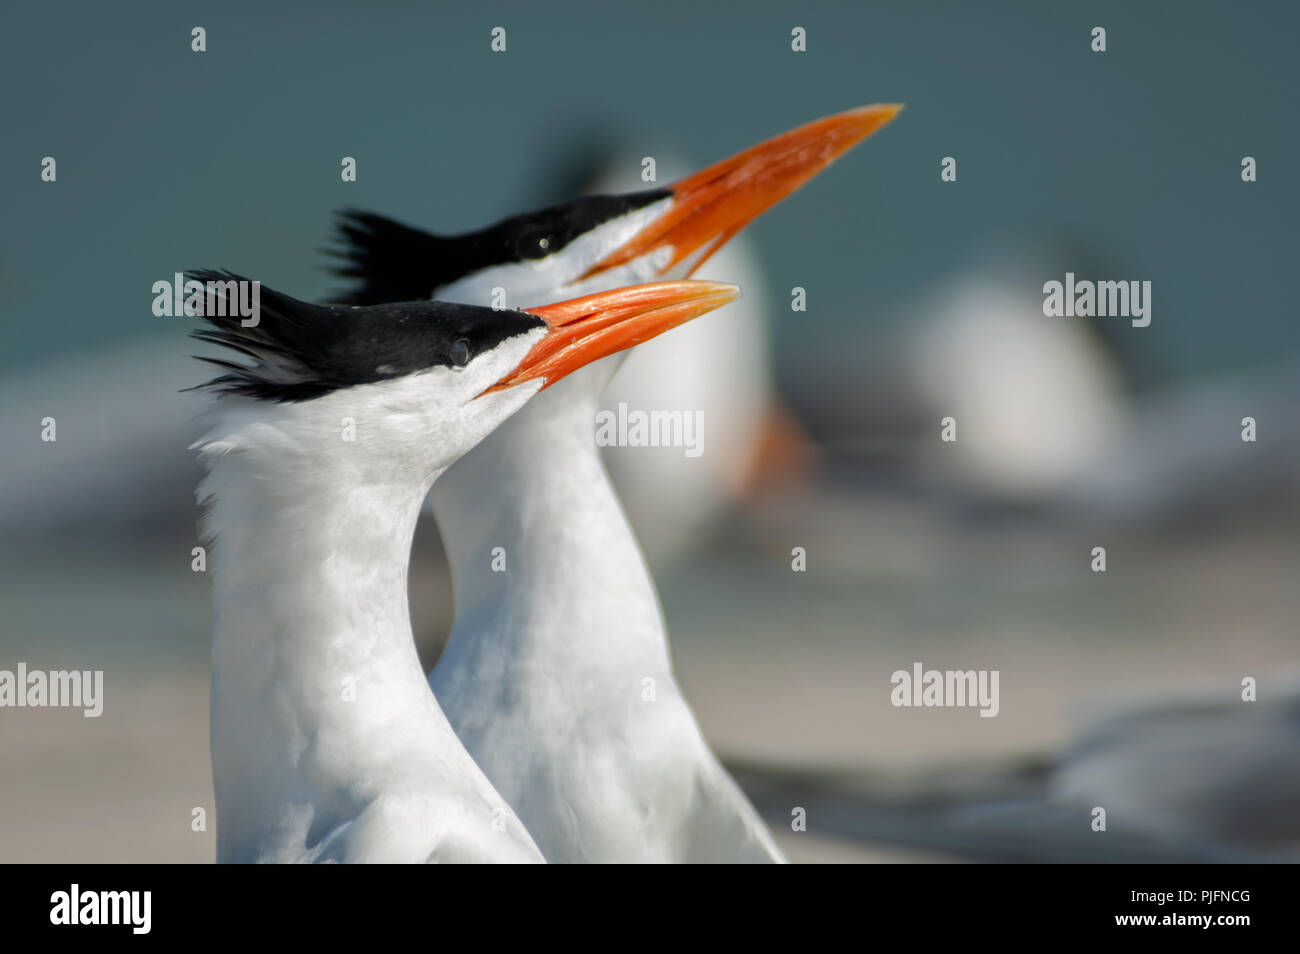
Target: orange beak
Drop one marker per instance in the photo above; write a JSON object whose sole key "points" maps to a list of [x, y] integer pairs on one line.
{"points": [[716, 203], [587, 329]]}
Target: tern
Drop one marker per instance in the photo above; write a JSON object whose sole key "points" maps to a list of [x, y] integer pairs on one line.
{"points": [[557, 675], [1190, 777], [327, 743]]}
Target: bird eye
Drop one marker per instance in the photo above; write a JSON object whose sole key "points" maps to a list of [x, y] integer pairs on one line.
{"points": [[533, 243], [460, 352]]}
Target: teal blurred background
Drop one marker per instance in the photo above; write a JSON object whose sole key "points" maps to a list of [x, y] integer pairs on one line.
{"points": [[923, 300], [169, 158]]}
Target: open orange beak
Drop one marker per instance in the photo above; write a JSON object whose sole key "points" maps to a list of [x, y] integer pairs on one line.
{"points": [[592, 327], [716, 203]]}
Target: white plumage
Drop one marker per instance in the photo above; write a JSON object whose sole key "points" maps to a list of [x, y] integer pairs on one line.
{"points": [[550, 664], [326, 743]]}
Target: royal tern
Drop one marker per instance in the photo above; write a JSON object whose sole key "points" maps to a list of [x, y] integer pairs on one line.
{"points": [[327, 743], [1196, 776], [557, 675]]}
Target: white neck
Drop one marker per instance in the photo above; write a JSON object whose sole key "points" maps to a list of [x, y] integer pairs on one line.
{"points": [[576, 591], [326, 740], [310, 598]]}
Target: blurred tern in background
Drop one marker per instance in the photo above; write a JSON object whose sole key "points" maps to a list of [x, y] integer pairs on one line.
{"points": [[717, 369], [327, 743], [1197, 776], [557, 676]]}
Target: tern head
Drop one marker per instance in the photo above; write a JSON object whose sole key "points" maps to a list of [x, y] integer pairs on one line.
{"points": [[597, 242], [415, 384]]}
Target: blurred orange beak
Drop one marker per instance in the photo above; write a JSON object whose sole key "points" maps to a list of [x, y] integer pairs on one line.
{"points": [[587, 329], [714, 204]]}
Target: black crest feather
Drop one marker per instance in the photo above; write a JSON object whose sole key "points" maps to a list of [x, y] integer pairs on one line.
{"points": [[396, 262], [391, 261], [297, 351]]}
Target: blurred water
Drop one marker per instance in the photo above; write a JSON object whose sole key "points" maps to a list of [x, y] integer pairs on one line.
{"points": [[171, 159]]}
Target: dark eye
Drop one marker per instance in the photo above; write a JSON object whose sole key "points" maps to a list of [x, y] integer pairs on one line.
{"points": [[534, 243], [460, 352]]}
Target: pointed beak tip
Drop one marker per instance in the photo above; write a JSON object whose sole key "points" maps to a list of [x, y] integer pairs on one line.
{"points": [[873, 117], [891, 110], [702, 295], [727, 291]]}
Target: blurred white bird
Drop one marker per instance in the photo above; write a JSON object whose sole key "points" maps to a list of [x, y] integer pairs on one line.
{"points": [[1197, 777]]}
